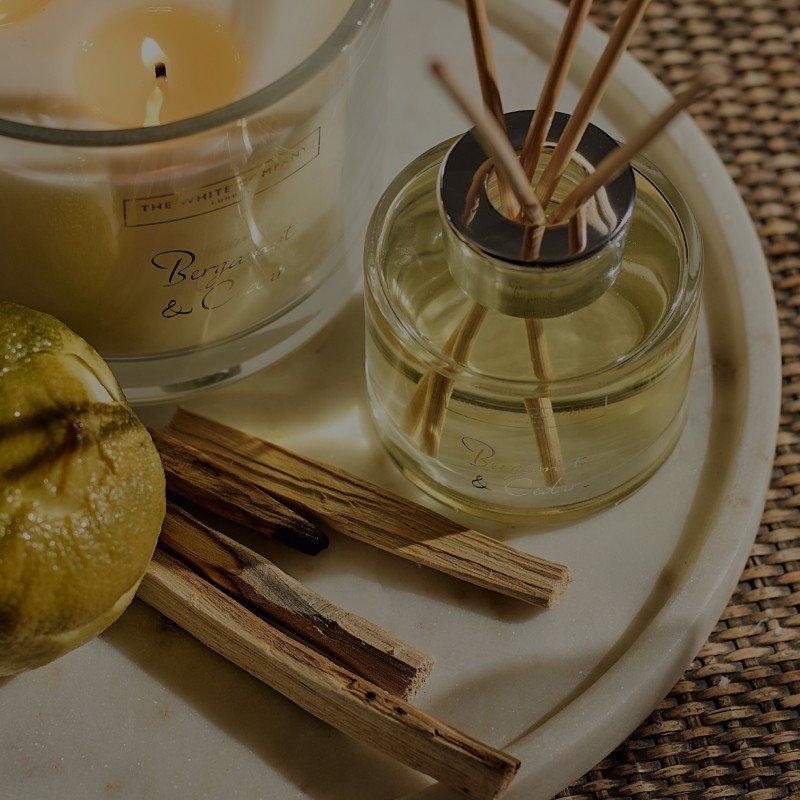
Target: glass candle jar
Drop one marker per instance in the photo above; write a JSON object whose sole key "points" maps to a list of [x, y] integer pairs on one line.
{"points": [[193, 252], [514, 386]]}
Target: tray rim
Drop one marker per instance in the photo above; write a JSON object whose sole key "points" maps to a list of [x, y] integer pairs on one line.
{"points": [[552, 755]]}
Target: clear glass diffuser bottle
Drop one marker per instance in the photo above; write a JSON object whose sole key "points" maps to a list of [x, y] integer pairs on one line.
{"points": [[515, 376]]}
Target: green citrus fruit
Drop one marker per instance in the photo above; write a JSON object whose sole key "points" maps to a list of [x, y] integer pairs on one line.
{"points": [[81, 492]]}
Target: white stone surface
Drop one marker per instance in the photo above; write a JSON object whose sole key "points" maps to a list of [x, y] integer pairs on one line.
{"points": [[147, 713]]}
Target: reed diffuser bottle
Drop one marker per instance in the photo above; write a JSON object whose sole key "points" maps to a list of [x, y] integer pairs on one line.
{"points": [[529, 349], [522, 385]]}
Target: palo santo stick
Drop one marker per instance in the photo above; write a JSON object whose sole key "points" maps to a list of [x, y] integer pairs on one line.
{"points": [[554, 82], [490, 89], [193, 475], [590, 98], [352, 641], [348, 505], [332, 693], [495, 143], [706, 79]]}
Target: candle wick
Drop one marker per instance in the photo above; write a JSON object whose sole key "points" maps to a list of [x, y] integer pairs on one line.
{"points": [[161, 70]]}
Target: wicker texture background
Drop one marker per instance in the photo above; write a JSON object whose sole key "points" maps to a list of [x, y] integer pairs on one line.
{"points": [[731, 727]]}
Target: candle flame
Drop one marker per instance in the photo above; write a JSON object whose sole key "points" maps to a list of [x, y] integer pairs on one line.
{"points": [[151, 52]]}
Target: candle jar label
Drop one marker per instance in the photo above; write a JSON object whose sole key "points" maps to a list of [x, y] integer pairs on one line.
{"points": [[139, 212], [216, 256]]}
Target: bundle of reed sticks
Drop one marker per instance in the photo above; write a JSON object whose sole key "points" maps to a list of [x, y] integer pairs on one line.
{"points": [[520, 201]]}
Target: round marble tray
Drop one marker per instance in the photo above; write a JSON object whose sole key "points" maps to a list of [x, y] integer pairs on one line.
{"points": [[147, 712]]}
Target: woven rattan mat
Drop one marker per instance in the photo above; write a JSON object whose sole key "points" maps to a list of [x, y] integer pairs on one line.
{"points": [[731, 727]]}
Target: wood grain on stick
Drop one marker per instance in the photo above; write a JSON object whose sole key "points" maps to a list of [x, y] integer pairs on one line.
{"points": [[332, 693], [345, 504], [351, 640], [200, 477]]}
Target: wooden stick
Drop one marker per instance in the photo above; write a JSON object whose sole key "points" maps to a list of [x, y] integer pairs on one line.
{"points": [[471, 202], [590, 98], [441, 387], [350, 640], [540, 409], [416, 405], [200, 477], [348, 505], [332, 693], [578, 229], [554, 82], [495, 143], [490, 88], [707, 78]]}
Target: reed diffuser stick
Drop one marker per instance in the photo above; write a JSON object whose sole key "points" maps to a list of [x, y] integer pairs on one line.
{"points": [[590, 98], [416, 405], [331, 693], [345, 504], [431, 396], [706, 79], [540, 409], [201, 478], [554, 82], [440, 388], [578, 229], [497, 145], [490, 87], [344, 637]]}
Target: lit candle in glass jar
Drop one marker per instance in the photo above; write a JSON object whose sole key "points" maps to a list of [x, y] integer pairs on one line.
{"points": [[115, 71], [188, 247]]}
